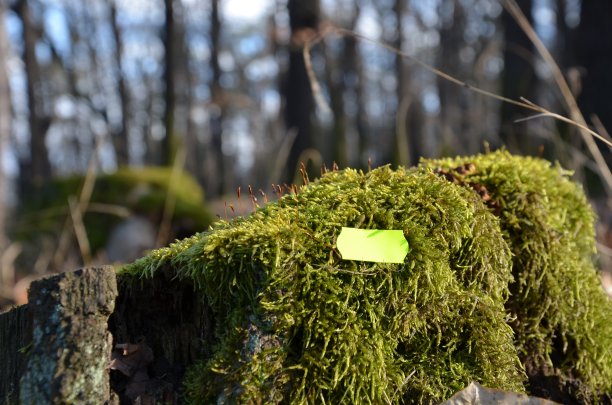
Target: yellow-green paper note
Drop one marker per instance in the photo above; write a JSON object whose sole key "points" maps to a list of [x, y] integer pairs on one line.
{"points": [[372, 245]]}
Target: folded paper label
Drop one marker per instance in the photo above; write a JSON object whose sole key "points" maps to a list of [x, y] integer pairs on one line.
{"points": [[372, 245]]}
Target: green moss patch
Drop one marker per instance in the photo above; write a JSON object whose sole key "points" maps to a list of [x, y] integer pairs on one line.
{"points": [[560, 313], [142, 191], [295, 322]]}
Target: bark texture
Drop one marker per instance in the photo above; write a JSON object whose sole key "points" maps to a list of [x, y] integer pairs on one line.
{"points": [[15, 339], [71, 345]]}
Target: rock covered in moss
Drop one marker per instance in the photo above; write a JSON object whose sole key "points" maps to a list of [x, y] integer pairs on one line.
{"points": [[560, 313], [295, 322]]}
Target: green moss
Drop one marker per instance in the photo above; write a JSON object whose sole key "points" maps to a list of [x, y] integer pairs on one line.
{"points": [[295, 322], [142, 191], [561, 315], [492, 276]]}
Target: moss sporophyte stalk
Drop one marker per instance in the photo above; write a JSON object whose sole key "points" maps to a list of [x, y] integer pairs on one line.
{"points": [[499, 271]]}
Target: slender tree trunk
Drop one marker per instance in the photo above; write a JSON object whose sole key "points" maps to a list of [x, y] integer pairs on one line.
{"points": [[334, 76], [593, 39], [594, 36], [452, 111], [518, 78], [216, 113], [352, 66], [5, 124], [403, 143], [152, 153], [299, 102], [169, 141], [120, 139], [38, 169]]}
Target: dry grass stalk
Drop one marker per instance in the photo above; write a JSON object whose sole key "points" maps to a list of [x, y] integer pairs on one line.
{"points": [[166, 222], [577, 119]]}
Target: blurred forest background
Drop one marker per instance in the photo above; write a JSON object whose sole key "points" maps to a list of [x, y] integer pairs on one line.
{"points": [[126, 124]]}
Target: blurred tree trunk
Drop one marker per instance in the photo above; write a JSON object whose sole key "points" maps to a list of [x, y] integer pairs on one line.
{"points": [[400, 144], [175, 62], [594, 36], [335, 78], [299, 102], [152, 153], [353, 71], [38, 169], [120, 139], [518, 78], [5, 123], [216, 179], [453, 112]]}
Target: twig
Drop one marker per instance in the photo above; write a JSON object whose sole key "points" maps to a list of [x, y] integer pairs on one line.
{"points": [[79, 230], [604, 249], [430, 68], [7, 262], [282, 156], [110, 209], [83, 202], [166, 222], [312, 77], [599, 126]]}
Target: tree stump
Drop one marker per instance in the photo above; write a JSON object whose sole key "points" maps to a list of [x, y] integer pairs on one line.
{"points": [[63, 333], [57, 348]]}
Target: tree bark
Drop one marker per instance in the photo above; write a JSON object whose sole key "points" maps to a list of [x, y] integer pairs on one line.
{"points": [[71, 345], [334, 76], [15, 340], [452, 97]]}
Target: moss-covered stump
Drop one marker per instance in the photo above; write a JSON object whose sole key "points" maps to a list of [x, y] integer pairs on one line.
{"points": [[293, 321], [560, 314], [499, 271]]}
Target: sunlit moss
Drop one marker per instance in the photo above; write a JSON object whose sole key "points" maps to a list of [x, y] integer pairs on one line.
{"points": [[295, 322], [561, 315]]}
